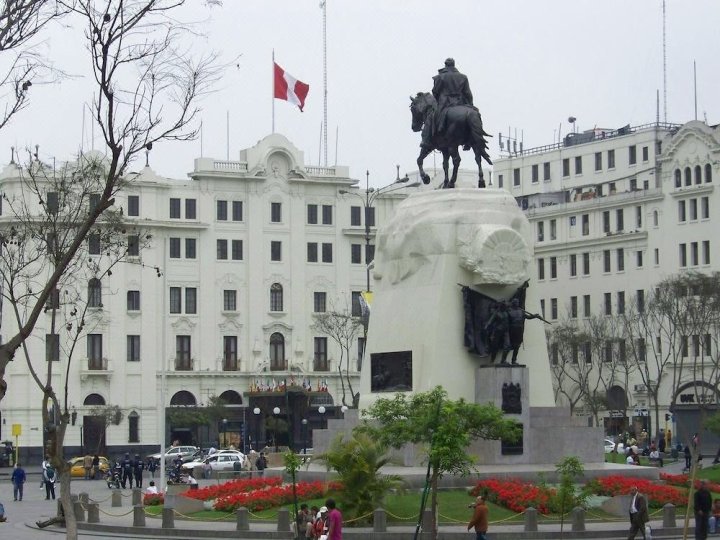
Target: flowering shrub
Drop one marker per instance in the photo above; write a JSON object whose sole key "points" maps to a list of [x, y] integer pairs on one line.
{"points": [[657, 494], [683, 480], [232, 487], [515, 495], [154, 500], [269, 497]]}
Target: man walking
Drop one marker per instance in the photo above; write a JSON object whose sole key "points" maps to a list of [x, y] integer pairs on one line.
{"points": [[138, 467], [18, 480], [334, 520], [702, 507], [126, 466], [261, 464], [87, 466], [638, 513], [479, 519]]}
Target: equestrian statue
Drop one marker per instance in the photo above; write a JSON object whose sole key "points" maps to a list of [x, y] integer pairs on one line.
{"points": [[448, 119]]}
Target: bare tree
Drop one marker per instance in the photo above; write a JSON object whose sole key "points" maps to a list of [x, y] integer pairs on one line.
{"points": [[569, 375]]}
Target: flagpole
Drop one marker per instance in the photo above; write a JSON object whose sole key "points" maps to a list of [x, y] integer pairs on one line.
{"points": [[227, 135], [273, 91], [323, 4]]}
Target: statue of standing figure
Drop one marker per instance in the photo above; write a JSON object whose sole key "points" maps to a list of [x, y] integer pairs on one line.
{"points": [[450, 88]]}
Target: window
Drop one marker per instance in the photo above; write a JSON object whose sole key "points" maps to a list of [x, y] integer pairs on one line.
{"points": [[639, 259], [540, 231], [237, 211], [656, 218], [688, 176], [694, 260], [174, 248], [175, 299], [277, 352], [312, 252], [53, 301], [276, 250], [133, 245], [706, 251], [693, 209], [611, 159], [133, 427], [573, 265], [681, 211], [183, 361], [191, 300], [500, 180], [319, 302], [320, 358], [638, 217], [327, 213], [51, 240], [542, 306], [608, 351], [516, 177], [276, 297], [573, 307], [222, 249], [683, 255], [553, 229], [619, 218], [645, 153], [707, 345], [94, 351], [606, 221], [608, 303], [578, 165], [230, 353], [94, 293], [133, 300], [585, 219], [657, 256], [370, 216], [698, 174], [546, 171], [312, 214], [553, 309], [566, 167], [586, 263], [640, 300], [93, 201], [606, 260], [369, 253], [620, 260], [327, 252], [535, 173], [190, 248], [229, 300], [598, 161], [705, 208], [678, 178], [355, 253], [632, 155], [53, 202], [355, 216], [174, 208], [360, 352], [553, 267], [94, 244], [190, 209], [708, 173], [621, 302], [52, 347], [133, 209], [541, 268], [133, 348], [586, 305], [633, 184], [236, 250], [356, 308], [222, 211], [276, 212]]}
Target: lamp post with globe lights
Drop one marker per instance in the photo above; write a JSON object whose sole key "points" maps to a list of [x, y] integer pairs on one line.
{"points": [[304, 423], [276, 411], [256, 412], [321, 411]]}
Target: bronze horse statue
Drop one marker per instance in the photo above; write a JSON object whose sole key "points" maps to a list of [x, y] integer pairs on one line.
{"points": [[463, 128]]}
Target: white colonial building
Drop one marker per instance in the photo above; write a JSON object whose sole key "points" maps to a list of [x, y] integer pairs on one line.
{"points": [[615, 212], [222, 302]]}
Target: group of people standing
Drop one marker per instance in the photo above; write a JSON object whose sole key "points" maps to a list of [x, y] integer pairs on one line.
{"points": [[324, 523]]}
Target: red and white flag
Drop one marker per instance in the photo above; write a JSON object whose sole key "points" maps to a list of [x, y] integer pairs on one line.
{"points": [[288, 88]]}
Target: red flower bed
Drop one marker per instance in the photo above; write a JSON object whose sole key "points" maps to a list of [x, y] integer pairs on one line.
{"points": [[514, 494], [683, 480], [154, 500], [658, 495], [232, 487], [269, 497]]}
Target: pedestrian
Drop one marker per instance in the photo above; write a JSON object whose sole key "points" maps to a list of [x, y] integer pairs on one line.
{"points": [[126, 465], [479, 519], [151, 489], [668, 438], [87, 465], [2, 513], [334, 520], [207, 469], [688, 457], [320, 526], [638, 513], [310, 530], [302, 519], [43, 466], [18, 480], [261, 464], [49, 481], [152, 466], [95, 467], [714, 521], [191, 480], [702, 506], [138, 467]]}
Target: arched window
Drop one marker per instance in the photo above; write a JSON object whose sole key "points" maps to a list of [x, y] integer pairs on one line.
{"points": [[276, 297], [708, 173], [94, 293], [688, 176], [678, 178], [133, 427], [183, 397], [94, 399], [656, 218], [231, 397], [277, 352], [698, 174]]}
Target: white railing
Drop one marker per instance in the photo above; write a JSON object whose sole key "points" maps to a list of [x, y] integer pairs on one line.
{"points": [[234, 166]]}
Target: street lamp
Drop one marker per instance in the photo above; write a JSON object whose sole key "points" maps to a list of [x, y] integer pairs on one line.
{"points": [[224, 425], [304, 434], [371, 195], [276, 411], [321, 410], [344, 409], [256, 412]]}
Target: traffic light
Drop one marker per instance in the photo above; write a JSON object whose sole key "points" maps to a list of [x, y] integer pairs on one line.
{"points": [[667, 417]]}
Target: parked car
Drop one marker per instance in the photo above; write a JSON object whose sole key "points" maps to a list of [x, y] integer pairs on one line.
{"points": [[610, 446], [221, 461], [185, 452], [77, 469]]}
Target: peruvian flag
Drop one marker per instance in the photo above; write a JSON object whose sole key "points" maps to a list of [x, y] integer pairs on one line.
{"points": [[288, 88]]}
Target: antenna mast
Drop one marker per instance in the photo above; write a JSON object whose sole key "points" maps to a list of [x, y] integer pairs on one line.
{"points": [[323, 6], [664, 65]]}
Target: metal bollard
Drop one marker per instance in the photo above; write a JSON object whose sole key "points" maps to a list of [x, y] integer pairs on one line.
{"points": [[531, 520], [243, 519], [578, 519], [168, 518], [379, 520], [79, 511], [84, 498], [138, 516], [669, 516], [283, 520], [137, 496], [93, 513], [116, 499]]}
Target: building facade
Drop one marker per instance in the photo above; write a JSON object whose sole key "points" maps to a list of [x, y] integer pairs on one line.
{"points": [[222, 302]]}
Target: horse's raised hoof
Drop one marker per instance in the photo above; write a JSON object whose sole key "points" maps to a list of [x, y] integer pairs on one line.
{"points": [[425, 178]]}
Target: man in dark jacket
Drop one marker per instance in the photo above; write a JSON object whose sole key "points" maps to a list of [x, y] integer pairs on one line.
{"points": [[702, 507], [450, 88], [479, 519], [638, 513], [126, 466], [138, 467]]}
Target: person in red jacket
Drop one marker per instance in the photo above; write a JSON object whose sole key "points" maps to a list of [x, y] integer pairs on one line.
{"points": [[479, 519]]}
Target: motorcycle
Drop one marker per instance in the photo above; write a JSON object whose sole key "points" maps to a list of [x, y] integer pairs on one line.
{"points": [[175, 476], [112, 477]]}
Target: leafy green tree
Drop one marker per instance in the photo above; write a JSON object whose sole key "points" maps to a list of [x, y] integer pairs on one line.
{"points": [[445, 427], [566, 498], [358, 462]]}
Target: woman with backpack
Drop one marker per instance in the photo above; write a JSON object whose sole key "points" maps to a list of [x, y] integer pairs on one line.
{"points": [[49, 480]]}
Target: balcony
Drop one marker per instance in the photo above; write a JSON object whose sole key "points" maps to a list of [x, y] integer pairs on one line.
{"points": [[184, 363], [231, 363], [97, 364], [96, 367], [278, 365]]}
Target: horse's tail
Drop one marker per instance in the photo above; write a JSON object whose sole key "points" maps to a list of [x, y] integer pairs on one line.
{"points": [[478, 134]]}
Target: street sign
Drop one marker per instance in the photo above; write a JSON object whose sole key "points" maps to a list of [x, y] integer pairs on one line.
{"points": [[16, 430]]}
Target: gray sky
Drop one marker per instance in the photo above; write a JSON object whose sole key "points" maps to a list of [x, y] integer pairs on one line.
{"points": [[531, 65]]}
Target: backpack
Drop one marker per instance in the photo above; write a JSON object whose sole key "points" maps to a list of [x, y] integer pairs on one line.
{"points": [[50, 472]]}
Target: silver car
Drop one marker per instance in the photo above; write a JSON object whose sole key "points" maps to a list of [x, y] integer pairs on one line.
{"points": [[185, 452], [224, 461]]}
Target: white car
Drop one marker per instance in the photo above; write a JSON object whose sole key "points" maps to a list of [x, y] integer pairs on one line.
{"points": [[220, 461], [610, 446], [185, 452]]}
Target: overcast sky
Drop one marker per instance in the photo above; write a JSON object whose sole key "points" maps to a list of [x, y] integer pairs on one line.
{"points": [[531, 65]]}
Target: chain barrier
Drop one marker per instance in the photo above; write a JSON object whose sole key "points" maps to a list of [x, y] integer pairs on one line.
{"points": [[102, 500], [191, 518], [402, 518], [273, 516], [116, 515], [358, 518], [507, 518]]}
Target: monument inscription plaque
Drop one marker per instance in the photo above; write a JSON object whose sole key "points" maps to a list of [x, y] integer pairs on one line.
{"points": [[391, 371]]}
